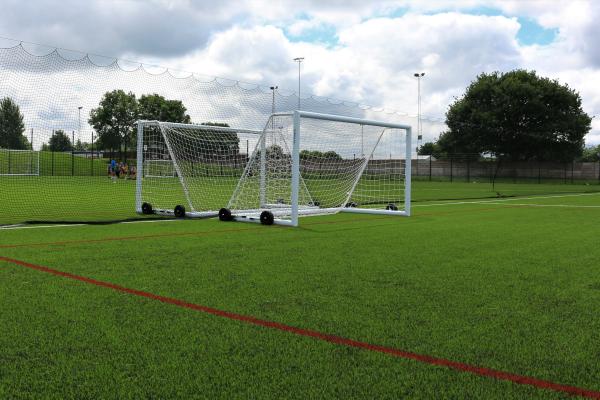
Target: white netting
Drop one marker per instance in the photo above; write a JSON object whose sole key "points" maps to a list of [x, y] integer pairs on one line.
{"points": [[19, 162], [341, 164], [196, 166], [57, 91]]}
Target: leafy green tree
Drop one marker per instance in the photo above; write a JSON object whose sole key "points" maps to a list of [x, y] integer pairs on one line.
{"points": [[316, 154], [114, 120], [590, 154], [428, 149], [518, 116], [332, 155], [275, 151], [81, 146], [60, 141], [306, 154], [156, 107], [221, 143], [12, 126]]}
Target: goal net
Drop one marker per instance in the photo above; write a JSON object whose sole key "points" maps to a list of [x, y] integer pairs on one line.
{"points": [[19, 162], [159, 168], [189, 169], [308, 164]]}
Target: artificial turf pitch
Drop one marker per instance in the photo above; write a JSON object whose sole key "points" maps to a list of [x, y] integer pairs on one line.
{"points": [[497, 284]]}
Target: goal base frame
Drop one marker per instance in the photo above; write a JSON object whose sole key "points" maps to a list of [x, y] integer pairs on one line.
{"points": [[253, 216], [188, 214]]}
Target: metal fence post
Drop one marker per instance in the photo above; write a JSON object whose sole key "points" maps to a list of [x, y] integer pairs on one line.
{"points": [[73, 155], [468, 170], [430, 168]]}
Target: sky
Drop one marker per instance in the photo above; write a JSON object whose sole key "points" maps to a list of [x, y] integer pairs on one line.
{"points": [[355, 50]]}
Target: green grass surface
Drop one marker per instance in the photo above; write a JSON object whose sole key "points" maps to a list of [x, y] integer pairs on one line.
{"points": [[511, 284], [98, 198], [51, 163]]}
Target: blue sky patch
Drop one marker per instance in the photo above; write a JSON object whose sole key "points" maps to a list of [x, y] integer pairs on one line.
{"points": [[533, 33], [322, 33], [530, 33]]}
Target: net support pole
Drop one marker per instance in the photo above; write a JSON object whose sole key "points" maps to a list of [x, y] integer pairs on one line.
{"points": [[263, 170], [408, 172], [295, 168], [139, 168]]}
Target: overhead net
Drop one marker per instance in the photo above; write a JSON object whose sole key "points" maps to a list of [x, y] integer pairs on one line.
{"points": [[56, 91]]}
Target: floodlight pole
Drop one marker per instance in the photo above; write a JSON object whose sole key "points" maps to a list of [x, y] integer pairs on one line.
{"points": [[273, 89], [79, 123], [299, 61], [419, 75]]}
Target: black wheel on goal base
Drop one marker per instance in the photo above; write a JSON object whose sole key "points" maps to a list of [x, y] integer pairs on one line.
{"points": [[351, 204], [147, 209], [391, 207], [225, 214], [267, 218], [179, 211]]}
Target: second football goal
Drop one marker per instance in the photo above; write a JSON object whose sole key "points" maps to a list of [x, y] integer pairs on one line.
{"points": [[189, 170], [312, 164]]}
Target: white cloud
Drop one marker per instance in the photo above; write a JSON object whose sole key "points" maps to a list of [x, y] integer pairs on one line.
{"points": [[372, 62]]}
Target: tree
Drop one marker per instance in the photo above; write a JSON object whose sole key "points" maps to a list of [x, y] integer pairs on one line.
{"points": [[316, 154], [332, 155], [275, 151], [428, 149], [60, 141], [81, 146], [12, 126], [222, 143], [114, 120], [156, 107], [518, 116], [590, 154]]}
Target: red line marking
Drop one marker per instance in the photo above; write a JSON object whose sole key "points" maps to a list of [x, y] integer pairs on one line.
{"points": [[120, 238], [442, 362]]}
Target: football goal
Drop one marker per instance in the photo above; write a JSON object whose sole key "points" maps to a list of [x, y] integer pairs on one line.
{"points": [[189, 170], [19, 162], [308, 163]]}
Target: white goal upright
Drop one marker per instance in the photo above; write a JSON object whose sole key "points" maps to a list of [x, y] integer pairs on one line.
{"points": [[307, 163], [189, 170], [19, 162]]}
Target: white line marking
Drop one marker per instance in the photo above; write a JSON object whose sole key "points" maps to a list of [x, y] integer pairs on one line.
{"points": [[13, 227], [503, 200], [547, 205]]}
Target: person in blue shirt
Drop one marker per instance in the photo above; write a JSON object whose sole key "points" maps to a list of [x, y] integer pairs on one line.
{"points": [[113, 170]]}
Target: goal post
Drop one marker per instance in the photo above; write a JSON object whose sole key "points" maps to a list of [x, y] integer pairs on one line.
{"points": [[308, 163], [188, 169], [19, 162]]}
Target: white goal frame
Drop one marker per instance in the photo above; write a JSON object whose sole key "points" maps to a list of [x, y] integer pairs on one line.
{"points": [[252, 215], [190, 212], [34, 153]]}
